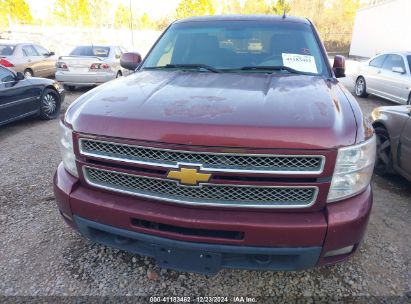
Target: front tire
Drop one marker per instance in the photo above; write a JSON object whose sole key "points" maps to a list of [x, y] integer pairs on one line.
{"points": [[360, 87], [69, 87], [119, 74], [50, 104], [383, 162]]}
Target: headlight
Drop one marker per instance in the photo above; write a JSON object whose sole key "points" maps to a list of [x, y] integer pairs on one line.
{"points": [[353, 170], [66, 149]]}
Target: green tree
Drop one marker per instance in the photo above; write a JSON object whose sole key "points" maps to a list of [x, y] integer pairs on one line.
{"points": [[281, 7], [230, 6], [256, 7], [161, 23], [333, 19], [122, 17], [84, 13], [16, 10], [144, 22], [100, 12], [62, 11], [4, 18], [73, 12], [187, 8]]}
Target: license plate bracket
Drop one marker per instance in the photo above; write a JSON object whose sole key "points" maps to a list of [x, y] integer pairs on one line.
{"points": [[188, 260]]}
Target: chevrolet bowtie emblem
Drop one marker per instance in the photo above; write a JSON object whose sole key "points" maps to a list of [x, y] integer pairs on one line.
{"points": [[188, 176]]}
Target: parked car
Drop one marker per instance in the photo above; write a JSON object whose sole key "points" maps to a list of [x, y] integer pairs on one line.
{"points": [[21, 96], [393, 129], [387, 76], [28, 58], [220, 155], [90, 65], [5, 34]]}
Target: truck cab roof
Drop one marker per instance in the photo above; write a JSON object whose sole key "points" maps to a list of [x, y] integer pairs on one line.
{"points": [[265, 18]]}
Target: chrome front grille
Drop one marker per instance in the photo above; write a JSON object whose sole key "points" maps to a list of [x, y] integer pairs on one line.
{"points": [[205, 194], [210, 161]]}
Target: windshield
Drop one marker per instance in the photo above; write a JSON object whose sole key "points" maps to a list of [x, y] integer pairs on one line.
{"points": [[6, 49], [235, 45], [99, 51]]}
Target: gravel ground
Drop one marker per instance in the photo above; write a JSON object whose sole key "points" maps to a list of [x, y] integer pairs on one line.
{"points": [[40, 255]]}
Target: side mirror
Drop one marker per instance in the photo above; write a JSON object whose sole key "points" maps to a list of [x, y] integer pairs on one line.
{"points": [[50, 54], [19, 76], [130, 61], [398, 70], [339, 66]]}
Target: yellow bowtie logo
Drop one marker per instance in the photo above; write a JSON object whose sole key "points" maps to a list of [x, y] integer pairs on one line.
{"points": [[188, 176]]}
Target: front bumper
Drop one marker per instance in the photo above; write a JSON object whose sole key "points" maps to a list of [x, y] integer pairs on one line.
{"points": [[198, 257], [91, 78], [270, 240]]}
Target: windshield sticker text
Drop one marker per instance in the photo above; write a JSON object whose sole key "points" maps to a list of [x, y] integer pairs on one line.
{"points": [[303, 63]]}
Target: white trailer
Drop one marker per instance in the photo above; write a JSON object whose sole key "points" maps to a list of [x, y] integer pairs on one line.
{"points": [[382, 27]]}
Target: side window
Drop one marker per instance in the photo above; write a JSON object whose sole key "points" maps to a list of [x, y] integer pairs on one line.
{"points": [[393, 61], [41, 50], [409, 61], [378, 61], [28, 50], [117, 52], [6, 75], [6, 49]]}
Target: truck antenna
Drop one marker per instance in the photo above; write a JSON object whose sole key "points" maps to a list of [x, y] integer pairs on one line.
{"points": [[131, 25]]}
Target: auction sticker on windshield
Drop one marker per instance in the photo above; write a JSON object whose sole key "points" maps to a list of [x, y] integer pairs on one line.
{"points": [[303, 63]]}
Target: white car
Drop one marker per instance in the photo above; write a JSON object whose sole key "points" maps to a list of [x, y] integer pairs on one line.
{"points": [[89, 65], [386, 75]]}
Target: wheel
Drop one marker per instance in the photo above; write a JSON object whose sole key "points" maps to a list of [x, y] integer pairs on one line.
{"points": [[28, 73], [119, 74], [69, 87], [50, 104], [383, 162], [361, 87]]}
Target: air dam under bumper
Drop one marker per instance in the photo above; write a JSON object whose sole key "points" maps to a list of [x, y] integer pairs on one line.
{"points": [[199, 257], [270, 241]]}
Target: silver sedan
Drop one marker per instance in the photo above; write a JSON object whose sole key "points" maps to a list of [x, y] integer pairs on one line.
{"points": [[89, 65], [387, 76]]}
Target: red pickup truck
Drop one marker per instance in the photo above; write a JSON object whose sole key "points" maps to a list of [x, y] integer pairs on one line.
{"points": [[232, 145]]}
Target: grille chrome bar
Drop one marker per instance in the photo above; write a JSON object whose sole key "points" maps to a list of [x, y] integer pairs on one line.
{"points": [[209, 161], [204, 195]]}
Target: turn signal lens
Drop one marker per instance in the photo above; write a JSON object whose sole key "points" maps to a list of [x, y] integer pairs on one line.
{"points": [[66, 149]]}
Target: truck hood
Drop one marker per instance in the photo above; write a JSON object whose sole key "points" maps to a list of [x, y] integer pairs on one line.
{"points": [[255, 110]]}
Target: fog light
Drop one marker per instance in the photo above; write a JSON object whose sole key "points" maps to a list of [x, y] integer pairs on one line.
{"points": [[340, 251]]}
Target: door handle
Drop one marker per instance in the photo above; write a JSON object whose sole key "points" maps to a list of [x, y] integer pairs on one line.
{"points": [[29, 60], [379, 71]]}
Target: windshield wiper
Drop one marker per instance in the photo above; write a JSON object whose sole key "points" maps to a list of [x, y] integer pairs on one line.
{"points": [[273, 68], [188, 66]]}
